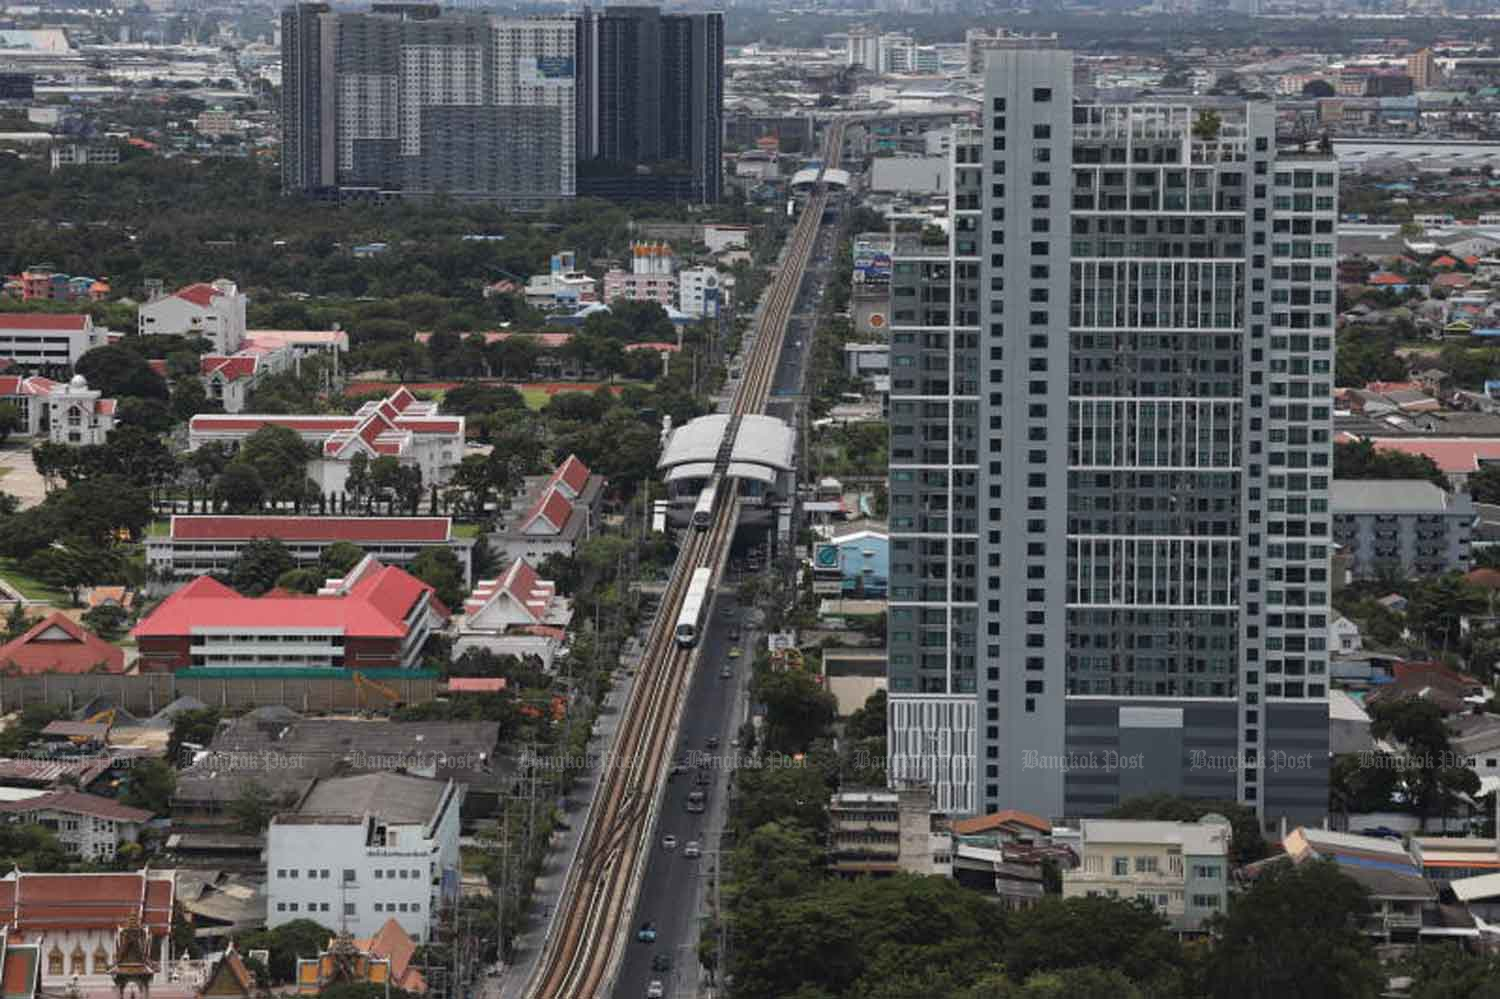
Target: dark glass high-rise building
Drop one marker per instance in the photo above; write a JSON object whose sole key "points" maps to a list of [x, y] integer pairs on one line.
{"points": [[651, 102]]}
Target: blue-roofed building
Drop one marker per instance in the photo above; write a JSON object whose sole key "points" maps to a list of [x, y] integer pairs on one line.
{"points": [[859, 562]]}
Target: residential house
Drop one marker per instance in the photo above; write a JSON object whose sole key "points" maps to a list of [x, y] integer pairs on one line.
{"points": [[552, 515], [1476, 740], [214, 311], [881, 832], [228, 379], [517, 614], [77, 920], [358, 851], [58, 644], [1457, 457], [1451, 858], [1010, 827], [1401, 525], [44, 340], [1450, 690], [1397, 890], [399, 426], [1348, 724], [1343, 635], [376, 617], [1180, 868], [195, 545], [40, 282], [86, 825], [384, 961]]}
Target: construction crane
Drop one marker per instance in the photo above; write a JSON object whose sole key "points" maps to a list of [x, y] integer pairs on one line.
{"points": [[362, 682]]}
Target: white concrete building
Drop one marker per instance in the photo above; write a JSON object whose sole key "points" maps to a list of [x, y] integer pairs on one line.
{"points": [[1179, 868], [519, 614], [358, 851], [47, 340], [564, 286], [214, 311], [702, 292], [63, 413]]}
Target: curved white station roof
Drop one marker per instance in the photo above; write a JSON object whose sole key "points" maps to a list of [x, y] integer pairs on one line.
{"points": [[765, 441], [695, 441], [833, 177], [691, 470], [763, 446]]}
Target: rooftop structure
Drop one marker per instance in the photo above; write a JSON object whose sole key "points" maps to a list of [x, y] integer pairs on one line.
{"points": [[58, 644]]}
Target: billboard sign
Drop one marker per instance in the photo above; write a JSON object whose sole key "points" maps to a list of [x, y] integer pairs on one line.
{"points": [[872, 264], [546, 71]]}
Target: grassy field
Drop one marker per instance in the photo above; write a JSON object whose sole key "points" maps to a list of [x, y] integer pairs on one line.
{"points": [[535, 398], [31, 589], [466, 530], [158, 528]]}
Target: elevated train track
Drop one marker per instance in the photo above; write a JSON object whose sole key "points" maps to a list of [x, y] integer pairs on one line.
{"points": [[583, 950]]}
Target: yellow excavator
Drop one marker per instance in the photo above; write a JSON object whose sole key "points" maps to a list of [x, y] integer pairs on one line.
{"points": [[362, 682], [105, 718]]}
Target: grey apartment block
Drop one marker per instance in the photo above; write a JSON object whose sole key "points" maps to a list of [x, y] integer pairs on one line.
{"points": [[401, 100], [1110, 458], [1403, 526]]}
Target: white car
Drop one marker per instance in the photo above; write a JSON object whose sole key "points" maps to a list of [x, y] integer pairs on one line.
{"points": [[669, 842], [692, 851], [656, 990]]}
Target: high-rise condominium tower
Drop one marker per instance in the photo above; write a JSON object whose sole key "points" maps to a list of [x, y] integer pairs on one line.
{"points": [[401, 100], [404, 100], [1110, 459]]}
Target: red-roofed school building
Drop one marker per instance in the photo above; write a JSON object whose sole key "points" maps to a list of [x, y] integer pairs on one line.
{"points": [[400, 425], [553, 515], [58, 644], [37, 340], [198, 545], [376, 617]]}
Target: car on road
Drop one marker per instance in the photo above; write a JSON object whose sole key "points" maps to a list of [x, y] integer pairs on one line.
{"points": [[713, 742], [692, 851], [647, 933], [669, 842], [656, 990], [661, 962], [727, 671]]}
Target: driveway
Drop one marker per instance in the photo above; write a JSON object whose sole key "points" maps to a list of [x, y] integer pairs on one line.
{"points": [[18, 475]]}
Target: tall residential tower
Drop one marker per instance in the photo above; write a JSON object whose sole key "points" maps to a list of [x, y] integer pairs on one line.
{"points": [[1110, 459]]}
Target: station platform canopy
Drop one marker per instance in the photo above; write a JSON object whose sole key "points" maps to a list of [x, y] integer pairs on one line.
{"points": [[833, 177], [763, 448]]}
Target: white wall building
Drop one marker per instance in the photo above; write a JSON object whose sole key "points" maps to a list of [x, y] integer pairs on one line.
{"points": [[358, 851], [87, 826], [63, 412], [702, 292], [213, 311], [534, 67], [40, 340]]}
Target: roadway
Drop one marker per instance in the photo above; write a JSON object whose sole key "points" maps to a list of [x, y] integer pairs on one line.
{"points": [[673, 891], [670, 894]]}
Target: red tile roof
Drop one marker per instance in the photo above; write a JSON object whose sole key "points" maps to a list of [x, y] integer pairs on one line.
{"points": [[476, 684], [1445, 261], [1010, 816], [553, 508], [312, 424], [373, 606], [1461, 455], [402, 399], [36, 904], [105, 407], [58, 644], [355, 529], [572, 473], [394, 944], [428, 425], [199, 294], [231, 368], [42, 321], [77, 803]]}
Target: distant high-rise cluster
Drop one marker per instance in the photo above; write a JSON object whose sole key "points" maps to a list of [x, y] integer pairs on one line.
{"points": [[406, 100]]}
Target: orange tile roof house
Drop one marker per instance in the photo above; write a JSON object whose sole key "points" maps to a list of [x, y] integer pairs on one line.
{"points": [[58, 644], [377, 616]]}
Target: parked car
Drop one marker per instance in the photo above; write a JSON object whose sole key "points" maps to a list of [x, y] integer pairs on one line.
{"points": [[726, 671], [692, 851], [656, 990], [647, 933], [661, 962], [669, 842]]}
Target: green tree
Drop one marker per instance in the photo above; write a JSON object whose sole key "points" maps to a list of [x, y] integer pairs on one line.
{"points": [[338, 558], [1438, 607], [107, 621], [279, 456], [240, 488], [195, 726], [286, 943], [1450, 973], [300, 580], [440, 569], [1058, 934], [10, 420], [253, 808], [1360, 783], [150, 785], [1294, 935], [1429, 777], [1363, 460], [1484, 484], [798, 708], [792, 793], [119, 372], [259, 565]]}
